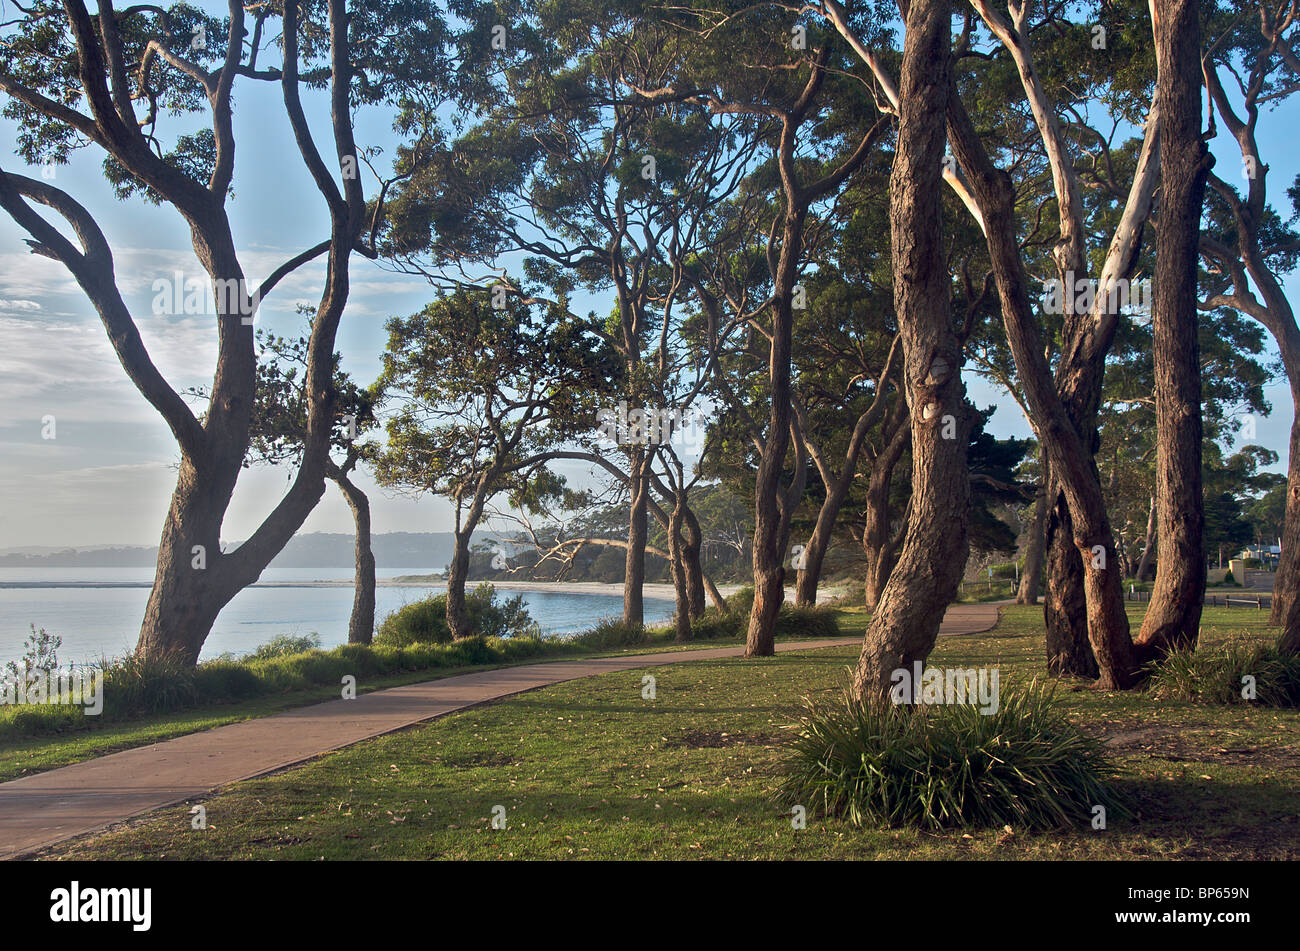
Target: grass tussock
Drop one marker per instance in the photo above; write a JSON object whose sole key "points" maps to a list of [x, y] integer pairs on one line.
{"points": [[949, 765], [1235, 671], [612, 632]]}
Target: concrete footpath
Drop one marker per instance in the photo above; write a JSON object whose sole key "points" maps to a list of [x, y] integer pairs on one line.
{"points": [[40, 810]]}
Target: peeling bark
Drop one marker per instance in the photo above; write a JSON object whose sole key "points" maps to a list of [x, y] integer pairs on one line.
{"points": [[905, 625], [1174, 616]]}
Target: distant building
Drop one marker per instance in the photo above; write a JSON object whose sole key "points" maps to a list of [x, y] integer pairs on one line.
{"points": [[1268, 555]]}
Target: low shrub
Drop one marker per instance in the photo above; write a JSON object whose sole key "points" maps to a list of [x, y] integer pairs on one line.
{"points": [[742, 601], [612, 632], [420, 622], [40, 652], [715, 625], [493, 617], [285, 645], [1216, 675], [949, 765], [425, 621], [807, 621]]}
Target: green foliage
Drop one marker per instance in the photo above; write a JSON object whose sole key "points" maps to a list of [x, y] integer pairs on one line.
{"points": [[1216, 675], [949, 765], [420, 622], [807, 621], [226, 681], [1228, 578], [742, 602], [507, 617], [425, 621], [143, 684], [286, 644], [482, 390], [715, 626], [40, 652], [612, 632]]}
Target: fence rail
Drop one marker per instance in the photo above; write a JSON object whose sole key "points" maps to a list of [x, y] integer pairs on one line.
{"points": [[1259, 602]]}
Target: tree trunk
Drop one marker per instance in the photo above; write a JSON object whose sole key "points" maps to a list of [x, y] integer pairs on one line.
{"points": [[719, 602], [877, 543], [1174, 616], [682, 619], [814, 553], [190, 587], [692, 562], [1149, 551], [771, 524], [457, 572], [1286, 583], [1069, 454], [769, 572], [637, 533], [1289, 642], [905, 626], [1065, 606], [361, 624], [1031, 579]]}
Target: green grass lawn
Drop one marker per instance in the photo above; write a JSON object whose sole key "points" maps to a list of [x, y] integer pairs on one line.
{"points": [[588, 769]]}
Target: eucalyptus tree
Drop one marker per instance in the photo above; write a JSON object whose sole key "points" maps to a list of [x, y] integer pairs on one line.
{"points": [[866, 385], [125, 83], [599, 181], [1251, 64], [481, 396], [905, 624], [1074, 60], [783, 74], [847, 357], [1234, 368], [278, 434], [1174, 615], [1083, 577]]}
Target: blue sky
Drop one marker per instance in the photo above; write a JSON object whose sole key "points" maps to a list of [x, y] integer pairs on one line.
{"points": [[107, 475]]}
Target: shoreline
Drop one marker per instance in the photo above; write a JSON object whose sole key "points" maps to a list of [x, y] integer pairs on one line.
{"points": [[659, 591]]}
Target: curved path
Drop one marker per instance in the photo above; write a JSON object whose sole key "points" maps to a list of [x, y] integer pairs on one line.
{"points": [[47, 808]]}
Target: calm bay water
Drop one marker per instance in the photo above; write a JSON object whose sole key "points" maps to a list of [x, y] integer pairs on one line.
{"points": [[104, 621]]}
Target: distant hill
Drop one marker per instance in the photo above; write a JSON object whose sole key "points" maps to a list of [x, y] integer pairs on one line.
{"points": [[418, 551]]}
